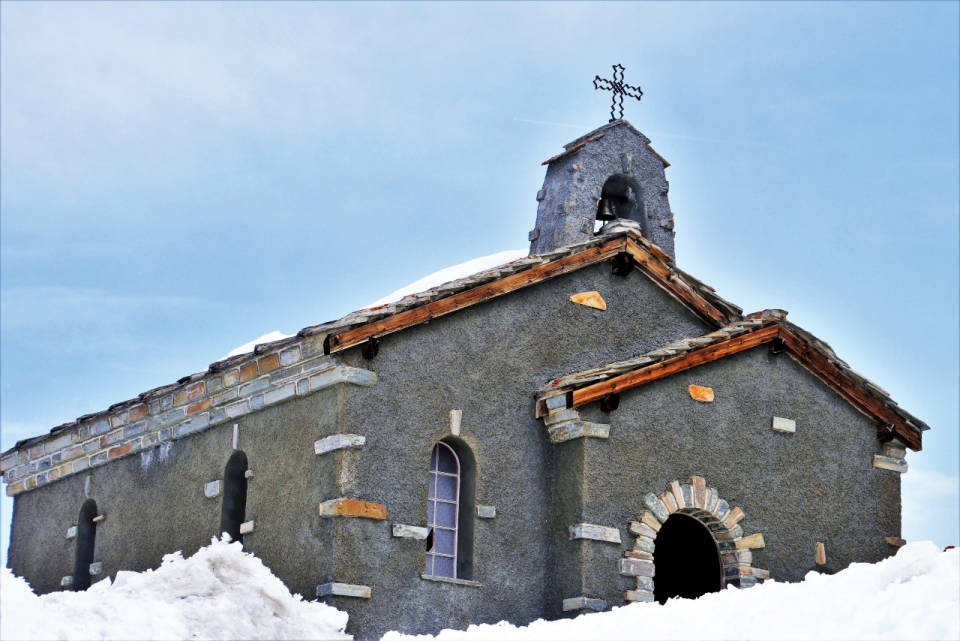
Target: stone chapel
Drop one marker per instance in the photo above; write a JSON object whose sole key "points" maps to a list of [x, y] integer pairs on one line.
{"points": [[576, 430]]}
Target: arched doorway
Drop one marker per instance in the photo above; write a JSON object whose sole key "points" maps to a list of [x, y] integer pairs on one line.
{"points": [[234, 507], [686, 559], [86, 543]]}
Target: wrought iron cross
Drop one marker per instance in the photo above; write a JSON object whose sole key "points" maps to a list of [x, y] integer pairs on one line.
{"points": [[619, 89]]}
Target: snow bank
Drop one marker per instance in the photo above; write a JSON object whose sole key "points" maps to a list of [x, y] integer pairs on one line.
{"points": [[453, 273], [218, 593], [914, 595]]}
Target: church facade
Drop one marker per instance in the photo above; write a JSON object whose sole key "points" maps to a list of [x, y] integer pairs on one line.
{"points": [[582, 428]]}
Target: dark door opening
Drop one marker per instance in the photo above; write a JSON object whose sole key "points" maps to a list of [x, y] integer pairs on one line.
{"points": [[86, 542], [234, 507], [686, 559]]}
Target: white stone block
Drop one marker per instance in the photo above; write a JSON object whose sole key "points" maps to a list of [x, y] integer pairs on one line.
{"points": [[784, 425], [213, 488], [402, 531], [246, 528], [66, 581], [595, 532], [584, 603], [338, 442], [343, 589], [96, 567], [486, 511], [71, 531], [887, 463], [456, 416]]}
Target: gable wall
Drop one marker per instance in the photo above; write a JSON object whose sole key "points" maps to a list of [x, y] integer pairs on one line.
{"points": [[797, 489], [486, 361]]}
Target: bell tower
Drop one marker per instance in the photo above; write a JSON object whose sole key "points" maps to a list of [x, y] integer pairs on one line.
{"points": [[610, 173]]}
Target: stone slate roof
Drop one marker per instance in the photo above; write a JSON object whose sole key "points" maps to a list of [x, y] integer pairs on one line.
{"points": [[767, 319], [367, 316]]}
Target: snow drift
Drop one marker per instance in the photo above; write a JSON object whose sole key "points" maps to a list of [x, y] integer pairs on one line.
{"points": [[223, 593], [218, 593], [914, 595]]}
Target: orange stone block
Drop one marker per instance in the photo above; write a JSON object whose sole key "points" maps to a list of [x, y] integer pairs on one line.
{"points": [[590, 299], [269, 363], [195, 391], [135, 412], [248, 371], [199, 406], [351, 507], [120, 450], [702, 394]]}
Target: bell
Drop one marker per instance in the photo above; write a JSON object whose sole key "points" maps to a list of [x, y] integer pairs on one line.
{"points": [[604, 211]]}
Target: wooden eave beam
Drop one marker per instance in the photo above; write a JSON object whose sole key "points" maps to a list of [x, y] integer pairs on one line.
{"points": [[349, 338], [672, 283], [672, 366], [809, 358], [835, 378]]}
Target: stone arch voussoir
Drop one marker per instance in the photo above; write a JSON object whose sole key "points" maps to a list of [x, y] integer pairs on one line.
{"points": [[696, 499]]}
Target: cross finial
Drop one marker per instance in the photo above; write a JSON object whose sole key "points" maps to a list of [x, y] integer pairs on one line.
{"points": [[619, 89]]}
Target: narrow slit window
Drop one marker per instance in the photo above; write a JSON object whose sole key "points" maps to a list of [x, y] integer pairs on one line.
{"points": [[234, 507], [86, 543], [443, 507]]}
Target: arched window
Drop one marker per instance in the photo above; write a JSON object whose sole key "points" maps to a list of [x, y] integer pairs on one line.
{"points": [[86, 540], [621, 197], [234, 506], [450, 507]]}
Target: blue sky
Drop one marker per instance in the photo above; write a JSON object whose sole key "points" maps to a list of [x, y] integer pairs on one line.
{"points": [[177, 179]]}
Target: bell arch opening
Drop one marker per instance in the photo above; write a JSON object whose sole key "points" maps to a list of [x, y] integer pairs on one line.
{"points": [[686, 559], [621, 197]]}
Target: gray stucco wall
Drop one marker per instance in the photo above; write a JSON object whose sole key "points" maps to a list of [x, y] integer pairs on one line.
{"points": [[487, 361], [797, 489]]}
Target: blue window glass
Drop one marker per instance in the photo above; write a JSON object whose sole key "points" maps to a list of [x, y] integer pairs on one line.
{"points": [[442, 509]]}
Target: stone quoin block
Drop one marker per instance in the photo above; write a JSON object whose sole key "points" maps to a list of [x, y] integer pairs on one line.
{"points": [[342, 374], [402, 531], [338, 442], [578, 429], [762, 575], [584, 603], [702, 394], [212, 489], [784, 425], [343, 589], [71, 531], [594, 532], [96, 567], [486, 512], [555, 402], [562, 415], [887, 463], [247, 527], [66, 582], [353, 508]]}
